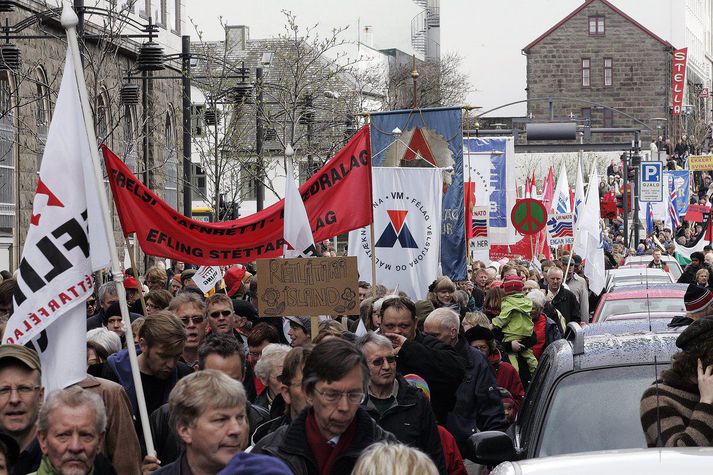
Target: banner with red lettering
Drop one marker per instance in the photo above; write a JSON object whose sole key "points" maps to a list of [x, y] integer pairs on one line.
{"points": [[678, 79], [337, 199]]}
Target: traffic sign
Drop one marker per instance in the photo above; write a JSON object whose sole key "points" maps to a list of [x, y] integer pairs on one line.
{"points": [[651, 182], [528, 216]]}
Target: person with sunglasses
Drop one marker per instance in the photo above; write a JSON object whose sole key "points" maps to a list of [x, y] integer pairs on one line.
{"points": [[221, 316], [394, 404], [333, 430], [190, 309]]}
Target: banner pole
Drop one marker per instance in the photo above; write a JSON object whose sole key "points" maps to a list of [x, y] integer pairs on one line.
{"points": [[69, 21], [373, 260], [132, 258]]}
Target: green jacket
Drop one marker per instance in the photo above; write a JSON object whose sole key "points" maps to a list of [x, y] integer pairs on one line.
{"points": [[514, 319], [46, 468]]}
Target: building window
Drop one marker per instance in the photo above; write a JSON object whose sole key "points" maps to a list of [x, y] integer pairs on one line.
{"points": [[42, 118], [199, 181], [587, 116], [586, 72], [198, 120], [171, 164], [131, 154], [248, 190], [608, 81], [608, 118], [7, 157], [596, 25]]}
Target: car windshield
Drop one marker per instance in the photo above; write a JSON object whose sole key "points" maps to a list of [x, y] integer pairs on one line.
{"points": [[596, 410], [618, 307]]}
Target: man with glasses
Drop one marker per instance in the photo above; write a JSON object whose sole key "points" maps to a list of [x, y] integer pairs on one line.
{"points": [[220, 314], [439, 364], [330, 434], [190, 309], [394, 404]]}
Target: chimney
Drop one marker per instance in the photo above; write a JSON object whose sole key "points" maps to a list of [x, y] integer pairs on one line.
{"points": [[368, 36], [236, 37]]}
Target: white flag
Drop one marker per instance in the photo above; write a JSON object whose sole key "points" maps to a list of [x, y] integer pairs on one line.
{"points": [[589, 234], [297, 231], [206, 277], [407, 230], [560, 202], [579, 192], [65, 243]]}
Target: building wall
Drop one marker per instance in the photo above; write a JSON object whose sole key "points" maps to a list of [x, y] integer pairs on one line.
{"points": [[640, 67]]}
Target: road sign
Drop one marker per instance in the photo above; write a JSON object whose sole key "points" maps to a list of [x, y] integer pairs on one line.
{"points": [[529, 216], [651, 182]]}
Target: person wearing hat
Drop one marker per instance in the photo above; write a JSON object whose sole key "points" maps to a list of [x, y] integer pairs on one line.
{"points": [[677, 410], [699, 304], [236, 279], [577, 285], [300, 332], [697, 262], [133, 288], [514, 326]]}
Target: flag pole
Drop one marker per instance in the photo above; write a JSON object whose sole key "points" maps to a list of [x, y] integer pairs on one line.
{"points": [[132, 258], [69, 22], [373, 260]]}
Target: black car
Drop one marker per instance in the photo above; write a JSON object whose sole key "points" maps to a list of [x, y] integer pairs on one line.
{"points": [[584, 396]]}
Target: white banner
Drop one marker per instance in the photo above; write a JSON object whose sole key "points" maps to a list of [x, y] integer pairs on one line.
{"points": [[296, 231], [206, 277], [65, 243], [407, 230]]}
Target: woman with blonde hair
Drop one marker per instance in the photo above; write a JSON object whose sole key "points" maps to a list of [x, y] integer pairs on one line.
{"points": [[393, 459], [440, 293], [472, 319]]}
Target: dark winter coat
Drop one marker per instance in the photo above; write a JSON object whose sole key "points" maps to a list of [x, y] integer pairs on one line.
{"points": [[566, 302]]}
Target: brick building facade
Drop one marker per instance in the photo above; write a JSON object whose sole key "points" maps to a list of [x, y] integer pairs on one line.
{"points": [[600, 55]]}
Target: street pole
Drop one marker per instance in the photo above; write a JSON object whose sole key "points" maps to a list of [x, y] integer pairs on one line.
{"points": [[636, 163], [187, 119], [259, 133], [625, 201], [216, 167], [310, 119]]}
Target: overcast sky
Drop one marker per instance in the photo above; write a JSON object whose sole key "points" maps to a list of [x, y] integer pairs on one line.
{"points": [[489, 34]]}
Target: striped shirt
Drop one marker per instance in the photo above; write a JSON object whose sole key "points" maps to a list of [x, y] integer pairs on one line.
{"points": [[684, 420]]}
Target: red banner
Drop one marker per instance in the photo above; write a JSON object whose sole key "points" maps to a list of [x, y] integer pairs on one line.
{"points": [[678, 79], [337, 199]]}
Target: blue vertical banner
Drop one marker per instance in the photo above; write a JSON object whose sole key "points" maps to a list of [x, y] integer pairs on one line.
{"points": [[679, 183], [429, 138]]}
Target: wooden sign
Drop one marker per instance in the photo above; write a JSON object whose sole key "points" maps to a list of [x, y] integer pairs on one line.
{"points": [[308, 286]]}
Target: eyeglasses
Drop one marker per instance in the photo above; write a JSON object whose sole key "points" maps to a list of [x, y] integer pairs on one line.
{"points": [[380, 361], [332, 397], [218, 313], [196, 319], [22, 391], [91, 303]]}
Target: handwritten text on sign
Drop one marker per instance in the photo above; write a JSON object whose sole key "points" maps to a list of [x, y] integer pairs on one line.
{"points": [[308, 286]]}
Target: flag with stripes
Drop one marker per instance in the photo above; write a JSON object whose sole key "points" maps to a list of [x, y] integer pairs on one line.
{"points": [[560, 228], [673, 213]]}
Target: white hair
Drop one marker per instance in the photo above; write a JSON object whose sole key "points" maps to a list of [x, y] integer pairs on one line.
{"points": [[445, 317], [554, 269], [273, 355], [105, 338], [538, 298]]}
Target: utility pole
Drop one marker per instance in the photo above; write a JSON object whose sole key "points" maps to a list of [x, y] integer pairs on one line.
{"points": [[187, 126], [259, 134], [636, 163]]}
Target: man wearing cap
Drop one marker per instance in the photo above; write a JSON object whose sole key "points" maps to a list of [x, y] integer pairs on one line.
{"points": [[577, 285], [699, 304], [300, 331], [132, 294], [677, 410]]}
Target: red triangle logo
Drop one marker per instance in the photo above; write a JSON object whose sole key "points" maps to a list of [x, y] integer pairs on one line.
{"points": [[52, 200], [398, 217], [419, 145]]}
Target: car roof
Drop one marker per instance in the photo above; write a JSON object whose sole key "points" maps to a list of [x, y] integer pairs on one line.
{"points": [[648, 258], [654, 461], [618, 327], [653, 286], [627, 292], [627, 271]]}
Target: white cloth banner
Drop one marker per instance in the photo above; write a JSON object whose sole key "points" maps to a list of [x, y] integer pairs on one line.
{"points": [[297, 230], [579, 196], [206, 277], [65, 243], [407, 230], [560, 202], [589, 234]]}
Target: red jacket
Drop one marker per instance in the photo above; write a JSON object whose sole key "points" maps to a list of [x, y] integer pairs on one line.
{"points": [[454, 460], [507, 377]]}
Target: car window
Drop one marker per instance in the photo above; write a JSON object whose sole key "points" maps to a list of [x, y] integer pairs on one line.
{"points": [[536, 392], [596, 410], [618, 307]]}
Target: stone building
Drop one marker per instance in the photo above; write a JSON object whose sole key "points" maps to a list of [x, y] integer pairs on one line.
{"points": [[605, 60], [28, 94]]}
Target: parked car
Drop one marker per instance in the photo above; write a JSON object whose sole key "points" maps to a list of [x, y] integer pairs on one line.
{"points": [[626, 304], [661, 461], [584, 397], [673, 266], [636, 276]]}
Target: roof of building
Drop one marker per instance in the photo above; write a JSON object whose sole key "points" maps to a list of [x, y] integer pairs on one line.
{"points": [[584, 5]]}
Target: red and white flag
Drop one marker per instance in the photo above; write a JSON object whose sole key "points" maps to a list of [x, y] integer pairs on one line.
{"points": [[65, 244], [297, 231]]}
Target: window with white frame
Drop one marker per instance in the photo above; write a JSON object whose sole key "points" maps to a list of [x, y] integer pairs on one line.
{"points": [[170, 163], [596, 25], [7, 157], [586, 72], [42, 112], [608, 72]]}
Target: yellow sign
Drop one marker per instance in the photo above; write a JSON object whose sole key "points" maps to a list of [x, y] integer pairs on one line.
{"points": [[700, 162]]}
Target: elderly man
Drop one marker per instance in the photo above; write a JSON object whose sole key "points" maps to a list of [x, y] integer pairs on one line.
{"points": [[70, 431], [334, 430], [478, 406], [106, 295], [208, 412], [394, 404], [438, 363], [562, 299], [190, 309], [268, 369], [577, 285]]}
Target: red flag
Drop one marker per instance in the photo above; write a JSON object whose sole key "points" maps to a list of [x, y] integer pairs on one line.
{"points": [[469, 192], [337, 199], [548, 193]]}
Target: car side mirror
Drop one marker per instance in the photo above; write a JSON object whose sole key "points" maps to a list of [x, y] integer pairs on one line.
{"points": [[492, 447]]}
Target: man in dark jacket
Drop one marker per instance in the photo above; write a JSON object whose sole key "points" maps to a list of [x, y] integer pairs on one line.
{"points": [[697, 263], [328, 436], [394, 404], [562, 299], [478, 406], [439, 364]]}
